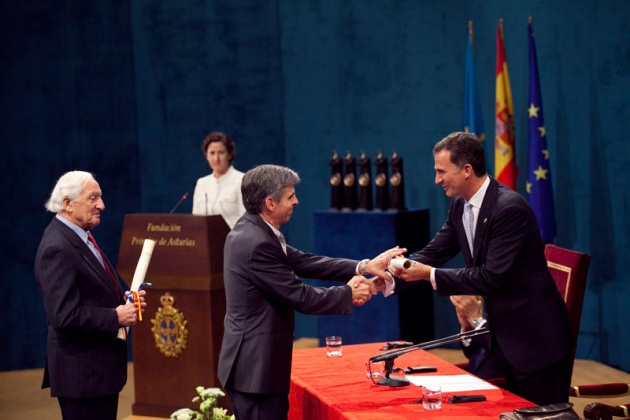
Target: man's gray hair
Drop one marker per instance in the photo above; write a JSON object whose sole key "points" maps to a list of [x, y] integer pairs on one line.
{"points": [[265, 181], [69, 185]]}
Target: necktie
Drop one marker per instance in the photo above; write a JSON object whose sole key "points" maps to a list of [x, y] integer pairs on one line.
{"points": [[104, 261], [283, 242], [469, 227]]}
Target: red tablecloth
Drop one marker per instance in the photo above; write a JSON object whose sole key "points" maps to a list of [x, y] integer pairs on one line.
{"points": [[325, 388]]}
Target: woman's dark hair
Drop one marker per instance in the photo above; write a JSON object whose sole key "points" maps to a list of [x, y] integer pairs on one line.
{"points": [[217, 136]]}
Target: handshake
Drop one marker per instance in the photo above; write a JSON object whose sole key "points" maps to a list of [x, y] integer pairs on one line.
{"points": [[364, 288]]}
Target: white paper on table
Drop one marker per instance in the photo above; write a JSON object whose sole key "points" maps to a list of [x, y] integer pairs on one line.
{"points": [[452, 383], [139, 275]]}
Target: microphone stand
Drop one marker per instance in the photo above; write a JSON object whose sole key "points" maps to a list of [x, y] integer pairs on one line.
{"points": [[178, 203], [389, 356]]}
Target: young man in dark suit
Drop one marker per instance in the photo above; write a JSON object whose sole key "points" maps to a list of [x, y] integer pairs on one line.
{"points": [[263, 290], [86, 364], [505, 264]]}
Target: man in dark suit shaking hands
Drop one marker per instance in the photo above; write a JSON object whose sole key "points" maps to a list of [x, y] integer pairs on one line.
{"points": [[86, 362], [505, 264], [262, 288]]}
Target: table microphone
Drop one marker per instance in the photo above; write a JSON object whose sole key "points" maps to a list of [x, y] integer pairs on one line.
{"points": [[389, 356], [181, 200]]}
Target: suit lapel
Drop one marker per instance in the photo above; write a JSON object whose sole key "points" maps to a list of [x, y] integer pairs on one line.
{"points": [[484, 216], [100, 271], [257, 220], [88, 256]]}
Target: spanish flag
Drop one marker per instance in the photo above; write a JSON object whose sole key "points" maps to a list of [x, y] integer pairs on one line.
{"points": [[505, 169]]}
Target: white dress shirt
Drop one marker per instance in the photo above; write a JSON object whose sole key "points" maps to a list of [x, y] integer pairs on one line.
{"points": [[220, 196]]}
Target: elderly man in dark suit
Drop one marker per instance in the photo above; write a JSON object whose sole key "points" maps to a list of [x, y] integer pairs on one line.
{"points": [[263, 291], [505, 263], [86, 363]]}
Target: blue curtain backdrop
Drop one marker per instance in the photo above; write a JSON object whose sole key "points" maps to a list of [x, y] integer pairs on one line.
{"points": [[127, 90]]}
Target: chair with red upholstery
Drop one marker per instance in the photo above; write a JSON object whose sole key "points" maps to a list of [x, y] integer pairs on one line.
{"points": [[601, 411], [569, 270]]}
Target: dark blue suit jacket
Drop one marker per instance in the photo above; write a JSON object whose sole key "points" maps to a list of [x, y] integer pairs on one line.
{"points": [[263, 290], [528, 317], [84, 357]]}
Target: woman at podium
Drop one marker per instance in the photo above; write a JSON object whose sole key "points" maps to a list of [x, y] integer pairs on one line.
{"points": [[219, 192]]}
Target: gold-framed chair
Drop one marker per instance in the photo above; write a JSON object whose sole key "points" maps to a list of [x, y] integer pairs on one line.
{"points": [[569, 270]]}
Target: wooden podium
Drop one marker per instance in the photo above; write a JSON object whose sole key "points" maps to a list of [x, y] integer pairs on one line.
{"points": [[176, 346]]}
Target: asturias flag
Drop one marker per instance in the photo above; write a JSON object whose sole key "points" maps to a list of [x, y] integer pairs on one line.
{"points": [[473, 120], [505, 169], [539, 190]]}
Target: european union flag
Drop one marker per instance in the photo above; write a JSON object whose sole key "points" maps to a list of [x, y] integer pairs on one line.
{"points": [[539, 188], [473, 120]]}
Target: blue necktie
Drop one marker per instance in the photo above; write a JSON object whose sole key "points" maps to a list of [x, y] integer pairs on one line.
{"points": [[469, 227]]}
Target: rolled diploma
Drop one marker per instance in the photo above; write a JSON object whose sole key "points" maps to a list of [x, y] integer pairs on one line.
{"points": [[402, 263], [139, 274], [143, 264]]}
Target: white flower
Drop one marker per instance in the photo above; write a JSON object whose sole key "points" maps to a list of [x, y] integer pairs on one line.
{"points": [[211, 393], [182, 414], [218, 411], [207, 400]]}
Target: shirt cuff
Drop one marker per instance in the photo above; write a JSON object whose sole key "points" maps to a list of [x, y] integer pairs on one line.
{"points": [[432, 278], [466, 341], [384, 286]]}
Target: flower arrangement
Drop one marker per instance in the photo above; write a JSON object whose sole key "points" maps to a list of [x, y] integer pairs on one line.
{"points": [[208, 410]]}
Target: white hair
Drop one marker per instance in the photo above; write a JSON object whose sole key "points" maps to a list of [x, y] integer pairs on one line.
{"points": [[69, 185]]}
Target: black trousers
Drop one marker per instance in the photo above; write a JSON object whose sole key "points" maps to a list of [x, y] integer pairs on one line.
{"points": [[90, 408], [545, 386], [247, 406]]}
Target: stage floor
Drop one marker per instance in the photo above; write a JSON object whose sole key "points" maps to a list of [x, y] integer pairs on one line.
{"points": [[22, 399]]}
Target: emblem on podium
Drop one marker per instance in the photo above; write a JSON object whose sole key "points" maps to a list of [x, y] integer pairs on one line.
{"points": [[169, 328]]}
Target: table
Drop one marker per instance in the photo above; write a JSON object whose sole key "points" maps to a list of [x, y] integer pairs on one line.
{"points": [[324, 388]]}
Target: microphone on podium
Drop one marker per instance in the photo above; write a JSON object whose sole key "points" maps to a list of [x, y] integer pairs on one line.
{"points": [[181, 200]]}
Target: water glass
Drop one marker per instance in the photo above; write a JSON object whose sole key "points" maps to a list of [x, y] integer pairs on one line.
{"points": [[432, 397], [333, 346], [374, 369]]}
